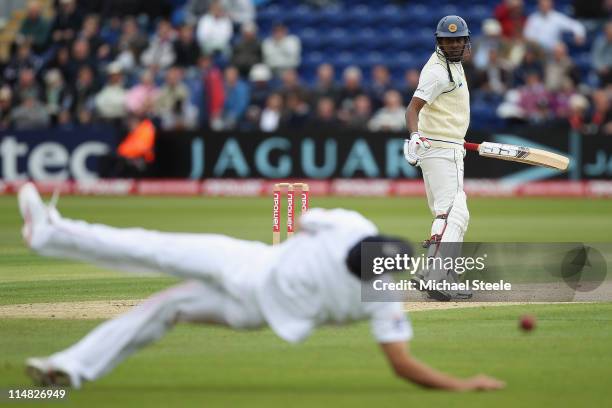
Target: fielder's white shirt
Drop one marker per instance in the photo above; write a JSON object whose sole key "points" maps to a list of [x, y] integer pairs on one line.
{"points": [[308, 283], [445, 118]]}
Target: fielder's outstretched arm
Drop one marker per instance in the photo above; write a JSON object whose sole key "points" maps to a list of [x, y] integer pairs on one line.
{"points": [[412, 114], [413, 370]]}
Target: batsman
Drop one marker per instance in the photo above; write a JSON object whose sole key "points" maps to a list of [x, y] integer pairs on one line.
{"points": [[438, 117]]}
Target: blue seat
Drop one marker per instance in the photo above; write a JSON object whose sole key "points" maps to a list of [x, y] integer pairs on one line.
{"points": [[332, 16], [360, 16], [344, 59], [340, 39], [311, 39], [367, 40]]}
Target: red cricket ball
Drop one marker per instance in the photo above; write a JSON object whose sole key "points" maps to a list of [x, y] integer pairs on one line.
{"points": [[527, 322]]}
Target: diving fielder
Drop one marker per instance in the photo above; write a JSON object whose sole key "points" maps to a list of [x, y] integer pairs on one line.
{"points": [[438, 117], [309, 280]]}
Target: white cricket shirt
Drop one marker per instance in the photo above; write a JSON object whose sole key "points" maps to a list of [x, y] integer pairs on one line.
{"points": [[445, 118], [309, 284]]}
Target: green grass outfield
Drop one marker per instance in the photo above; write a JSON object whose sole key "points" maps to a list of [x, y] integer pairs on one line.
{"points": [[565, 361]]}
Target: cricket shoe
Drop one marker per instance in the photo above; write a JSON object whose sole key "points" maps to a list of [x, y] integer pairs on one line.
{"points": [[447, 295], [46, 374], [36, 215]]}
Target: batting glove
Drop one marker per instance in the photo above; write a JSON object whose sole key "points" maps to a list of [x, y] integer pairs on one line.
{"points": [[415, 147]]}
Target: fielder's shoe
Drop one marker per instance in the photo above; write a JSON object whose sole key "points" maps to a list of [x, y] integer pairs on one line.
{"points": [[46, 374], [35, 213]]}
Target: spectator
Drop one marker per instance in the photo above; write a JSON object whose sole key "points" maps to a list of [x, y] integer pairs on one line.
{"points": [[111, 31], [110, 101], [196, 9], [214, 31], [236, 98], [560, 100], [131, 44], [578, 105], [57, 97], [5, 107], [81, 56], [351, 87], [601, 118], [91, 33], [83, 95], [30, 115], [186, 49], [68, 21], [212, 80], [141, 99], [411, 82], [35, 28], [602, 55], [380, 84], [532, 62], [391, 117], [534, 99], [247, 50], [23, 60], [290, 84], [272, 114], [260, 77], [496, 76], [160, 52], [325, 86], [360, 114], [325, 116], [297, 111], [511, 16], [545, 26], [26, 87], [174, 103], [281, 51], [560, 68], [490, 40], [240, 11]]}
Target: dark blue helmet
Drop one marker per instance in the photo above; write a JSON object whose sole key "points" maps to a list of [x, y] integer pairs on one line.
{"points": [[452, 26]]}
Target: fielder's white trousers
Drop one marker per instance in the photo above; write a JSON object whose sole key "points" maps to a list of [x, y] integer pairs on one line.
{"points": [[220, 286], [443, 177]]}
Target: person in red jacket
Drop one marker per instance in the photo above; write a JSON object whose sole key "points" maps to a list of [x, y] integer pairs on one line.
{"points": [[511, 16]]}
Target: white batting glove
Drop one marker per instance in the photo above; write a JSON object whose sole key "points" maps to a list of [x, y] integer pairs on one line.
{"points": [[415, 147]]}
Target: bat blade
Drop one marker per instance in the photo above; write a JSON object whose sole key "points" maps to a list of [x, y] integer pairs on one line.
{"points": [[520, 154]]}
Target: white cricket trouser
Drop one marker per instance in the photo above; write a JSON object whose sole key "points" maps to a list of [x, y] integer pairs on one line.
{"points": [[220, 286], [443, 177]]}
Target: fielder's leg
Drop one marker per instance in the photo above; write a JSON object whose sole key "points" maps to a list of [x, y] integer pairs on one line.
{"points": [[188, 256], [113, 341]]}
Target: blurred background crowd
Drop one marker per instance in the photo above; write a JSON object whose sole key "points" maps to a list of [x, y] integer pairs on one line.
{"points": [[268, 65]]}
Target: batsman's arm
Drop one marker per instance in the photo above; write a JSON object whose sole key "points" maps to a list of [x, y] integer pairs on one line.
{"points": [[412, 114], [413, 370]]}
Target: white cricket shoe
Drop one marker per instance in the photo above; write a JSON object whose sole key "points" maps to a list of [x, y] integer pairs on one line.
{"points": [[44, 373], [36, 215]]}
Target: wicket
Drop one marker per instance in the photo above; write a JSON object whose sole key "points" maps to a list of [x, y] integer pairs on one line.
{"points": [[276, 208]]}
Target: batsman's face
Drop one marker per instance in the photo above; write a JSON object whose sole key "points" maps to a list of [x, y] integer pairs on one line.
{"points": [[453, 47]]}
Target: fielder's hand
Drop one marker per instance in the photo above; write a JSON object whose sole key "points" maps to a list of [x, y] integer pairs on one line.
{"points": [[415, 147]]}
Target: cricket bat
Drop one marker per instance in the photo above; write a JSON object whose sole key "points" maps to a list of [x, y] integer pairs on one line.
{"points": [[521, 154]]}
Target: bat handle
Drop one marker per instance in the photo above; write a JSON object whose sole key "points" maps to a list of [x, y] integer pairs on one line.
{"points": [[471, 146]]}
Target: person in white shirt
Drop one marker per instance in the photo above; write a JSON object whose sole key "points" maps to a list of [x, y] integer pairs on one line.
{"points": [[282, 51], [438, 117], [545, 26], [309, 280], [391, 116], [214, 31]]}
